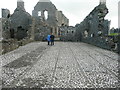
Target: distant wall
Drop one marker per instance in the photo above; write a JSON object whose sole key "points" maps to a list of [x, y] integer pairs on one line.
{"points": [[94, 28]]}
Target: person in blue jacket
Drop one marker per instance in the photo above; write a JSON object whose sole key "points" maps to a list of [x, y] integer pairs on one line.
{"points": [[48, 39]]}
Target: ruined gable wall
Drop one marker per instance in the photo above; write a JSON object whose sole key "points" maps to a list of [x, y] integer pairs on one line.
{"points": [[94, 28], [46, 6]]}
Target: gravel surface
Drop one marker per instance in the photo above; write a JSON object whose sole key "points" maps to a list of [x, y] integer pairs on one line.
{"points": [[64, 65]]}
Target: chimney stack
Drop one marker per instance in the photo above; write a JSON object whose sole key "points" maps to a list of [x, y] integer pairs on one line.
{"points": [[102, 1], [20, 4]]}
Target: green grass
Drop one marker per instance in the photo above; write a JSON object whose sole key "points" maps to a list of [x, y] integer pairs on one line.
{"points": [[114, 34]]}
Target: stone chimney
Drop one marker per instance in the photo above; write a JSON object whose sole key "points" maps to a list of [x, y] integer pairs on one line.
{"points": [[5, 13], [20, 4], [102, 1], [44, 1]]}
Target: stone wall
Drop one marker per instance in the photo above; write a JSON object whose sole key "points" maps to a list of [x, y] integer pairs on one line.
{"points": [[5, 13], [0, 36], [21, 28], [5, 28], [9, 45], [17, 29], [94, 28], [119, 44], [41, 29], [67, 33], [20, 21], [61, 18], [55, 18]]}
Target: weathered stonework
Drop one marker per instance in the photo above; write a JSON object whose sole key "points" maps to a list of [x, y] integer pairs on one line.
{"points": [[17, 29], [41, 29], [94, 29], [9, 45], [5, 28], [5, 13], [21, 28], [0, 36], [54, 18], [119, 45], [67, 33], [20, 21], [114, 38]]}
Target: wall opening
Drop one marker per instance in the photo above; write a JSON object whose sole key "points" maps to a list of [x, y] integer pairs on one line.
{"points": [[85, 33], [46, 15], [39, 13]]}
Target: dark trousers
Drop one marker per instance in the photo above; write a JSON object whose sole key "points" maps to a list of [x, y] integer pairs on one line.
{"points": [[48, 42], [52, 42]]}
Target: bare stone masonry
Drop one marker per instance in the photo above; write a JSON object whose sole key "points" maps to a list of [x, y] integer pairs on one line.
{"points": [[20, 21], [55, 18], [21, 28], [94, 28]]}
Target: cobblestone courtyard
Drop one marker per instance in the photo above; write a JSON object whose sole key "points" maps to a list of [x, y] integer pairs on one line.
{"points": [[66, 65]]}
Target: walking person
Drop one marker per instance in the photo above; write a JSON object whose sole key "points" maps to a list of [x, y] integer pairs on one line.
{"points": [[52, 39], [48, 39]]}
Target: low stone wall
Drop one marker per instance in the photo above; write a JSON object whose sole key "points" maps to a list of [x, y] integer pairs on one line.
{"points": [[119, 44], [9, 45], [12, 44]]}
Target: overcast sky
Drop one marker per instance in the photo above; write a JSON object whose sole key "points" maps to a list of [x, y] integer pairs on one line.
{"points": [[74, 10]]}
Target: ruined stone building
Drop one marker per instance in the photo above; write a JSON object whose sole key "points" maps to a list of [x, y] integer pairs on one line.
{"points": [[94, 28], [48, 13], [21, 28], [0, 28], [41, 30], [7, 42], [21, 22], [67, 33], [0, 36], [5, 23], [17, 29]]}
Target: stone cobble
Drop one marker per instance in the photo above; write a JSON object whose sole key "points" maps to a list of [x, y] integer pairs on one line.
{"points": [[64, 65], [13, 55], [100, 76], [67, 73], [16, 68], [110, 62]]}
